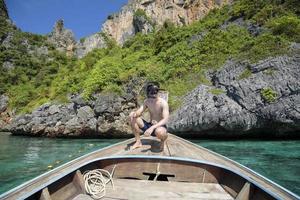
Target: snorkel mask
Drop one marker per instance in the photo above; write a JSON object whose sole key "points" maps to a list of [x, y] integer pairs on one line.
{"points": [[152, 90]]}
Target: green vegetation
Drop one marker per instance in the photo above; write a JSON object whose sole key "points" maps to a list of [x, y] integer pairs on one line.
{"points": [[261, 11], [269, 71], [268, 94], [246, 74], [169, 55], [286, 26], [216, 91], [141, 13]]}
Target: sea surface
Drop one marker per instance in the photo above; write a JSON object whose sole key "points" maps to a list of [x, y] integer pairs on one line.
{"points": [[23, 158]]}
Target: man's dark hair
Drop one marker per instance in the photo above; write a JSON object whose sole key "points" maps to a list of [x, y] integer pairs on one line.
{"points": [[152, 89]]}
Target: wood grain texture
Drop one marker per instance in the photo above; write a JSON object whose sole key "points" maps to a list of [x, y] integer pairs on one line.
{"points": [[141, 189]]}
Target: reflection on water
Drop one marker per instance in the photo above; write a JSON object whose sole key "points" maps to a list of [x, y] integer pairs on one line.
{"points": [[32, 154], [23, 158]]}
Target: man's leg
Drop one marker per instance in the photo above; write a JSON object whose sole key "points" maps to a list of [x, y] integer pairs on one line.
{"points": [[161, 133], [136, 124]]}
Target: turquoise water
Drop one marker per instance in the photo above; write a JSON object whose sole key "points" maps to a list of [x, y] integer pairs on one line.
{"points": [[23, 158], [279, 161]]}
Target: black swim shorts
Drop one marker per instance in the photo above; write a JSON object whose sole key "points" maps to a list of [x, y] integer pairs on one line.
{"points": [[148, 125]]}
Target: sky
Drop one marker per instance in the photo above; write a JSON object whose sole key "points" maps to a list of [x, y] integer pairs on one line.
{"points": [[83, 17]]}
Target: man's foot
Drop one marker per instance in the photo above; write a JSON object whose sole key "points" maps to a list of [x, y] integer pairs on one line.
{"points": [[162, 146], [136, 145]]}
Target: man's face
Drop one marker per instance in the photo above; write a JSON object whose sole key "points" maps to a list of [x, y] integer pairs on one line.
{"points": [[152, 91]]}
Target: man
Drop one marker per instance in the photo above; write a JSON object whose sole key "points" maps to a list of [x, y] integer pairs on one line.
{"points": [[159, 114]]}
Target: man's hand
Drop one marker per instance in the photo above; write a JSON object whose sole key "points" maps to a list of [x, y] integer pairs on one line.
{"points": [[148, 131], [133, 115]]}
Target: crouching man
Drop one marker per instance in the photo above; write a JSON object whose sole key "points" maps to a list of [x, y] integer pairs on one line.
{"points": [[159, 114]]}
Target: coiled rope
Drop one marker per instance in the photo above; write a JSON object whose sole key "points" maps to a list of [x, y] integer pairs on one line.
{"points": [[96, 180]]}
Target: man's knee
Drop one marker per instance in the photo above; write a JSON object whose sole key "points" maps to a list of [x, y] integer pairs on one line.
{"points": [[136, 121], [132, 120], [161, 133]]}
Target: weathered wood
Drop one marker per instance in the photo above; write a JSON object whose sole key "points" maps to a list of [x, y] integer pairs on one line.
{"points": [[65, 188], [151, 146], [79, 181], [232, 187], [45, 195], [83, 197], [244, 194], [141, 189]]}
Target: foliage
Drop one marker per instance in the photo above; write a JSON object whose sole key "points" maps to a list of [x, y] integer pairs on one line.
{"points": [[177, 57], [245, 74], [140, 13], [104, 73], [216, 91], [269, 71], [269, 95], [260, 11], [263, 46], [287, 26]]}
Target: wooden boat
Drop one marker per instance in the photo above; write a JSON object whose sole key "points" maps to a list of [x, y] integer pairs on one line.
{"points": [[182, 171]]}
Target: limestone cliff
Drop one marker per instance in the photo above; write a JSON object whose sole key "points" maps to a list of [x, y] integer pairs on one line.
{"points": [[122, 25], [62, 38], [3, 9], [266, 100], [143, 16], [89, 43]]}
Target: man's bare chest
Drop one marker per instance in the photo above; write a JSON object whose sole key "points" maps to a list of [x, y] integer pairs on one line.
{"points": [[155, 108]]}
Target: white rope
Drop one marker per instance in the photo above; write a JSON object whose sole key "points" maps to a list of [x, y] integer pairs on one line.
{"points": [[157, 172], [96, 180]]}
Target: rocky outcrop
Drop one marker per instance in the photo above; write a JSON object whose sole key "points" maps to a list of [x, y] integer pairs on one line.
{"points": [[62, 38], [251, 100], [245, 99], [128, 22], [253, 29], [137, 16], [106, 116], [142, 17], [4, 113], [142, 24], [3, 103], [89, 43], [3, 10]]}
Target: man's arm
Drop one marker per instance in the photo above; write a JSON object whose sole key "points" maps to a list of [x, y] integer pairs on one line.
{"points": [[140, 111]]}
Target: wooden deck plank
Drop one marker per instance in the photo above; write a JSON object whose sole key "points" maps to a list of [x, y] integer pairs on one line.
{"points": [[179, 149], [142, 189], [150, 147]]}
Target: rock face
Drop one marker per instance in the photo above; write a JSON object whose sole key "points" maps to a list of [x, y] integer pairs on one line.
{"points": [[89, 43], [62, 38], [125, 23], [106, 116], [3, 9], [137, 16], [4, 113], [245, 99], [3, 103], [251, 100]]}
